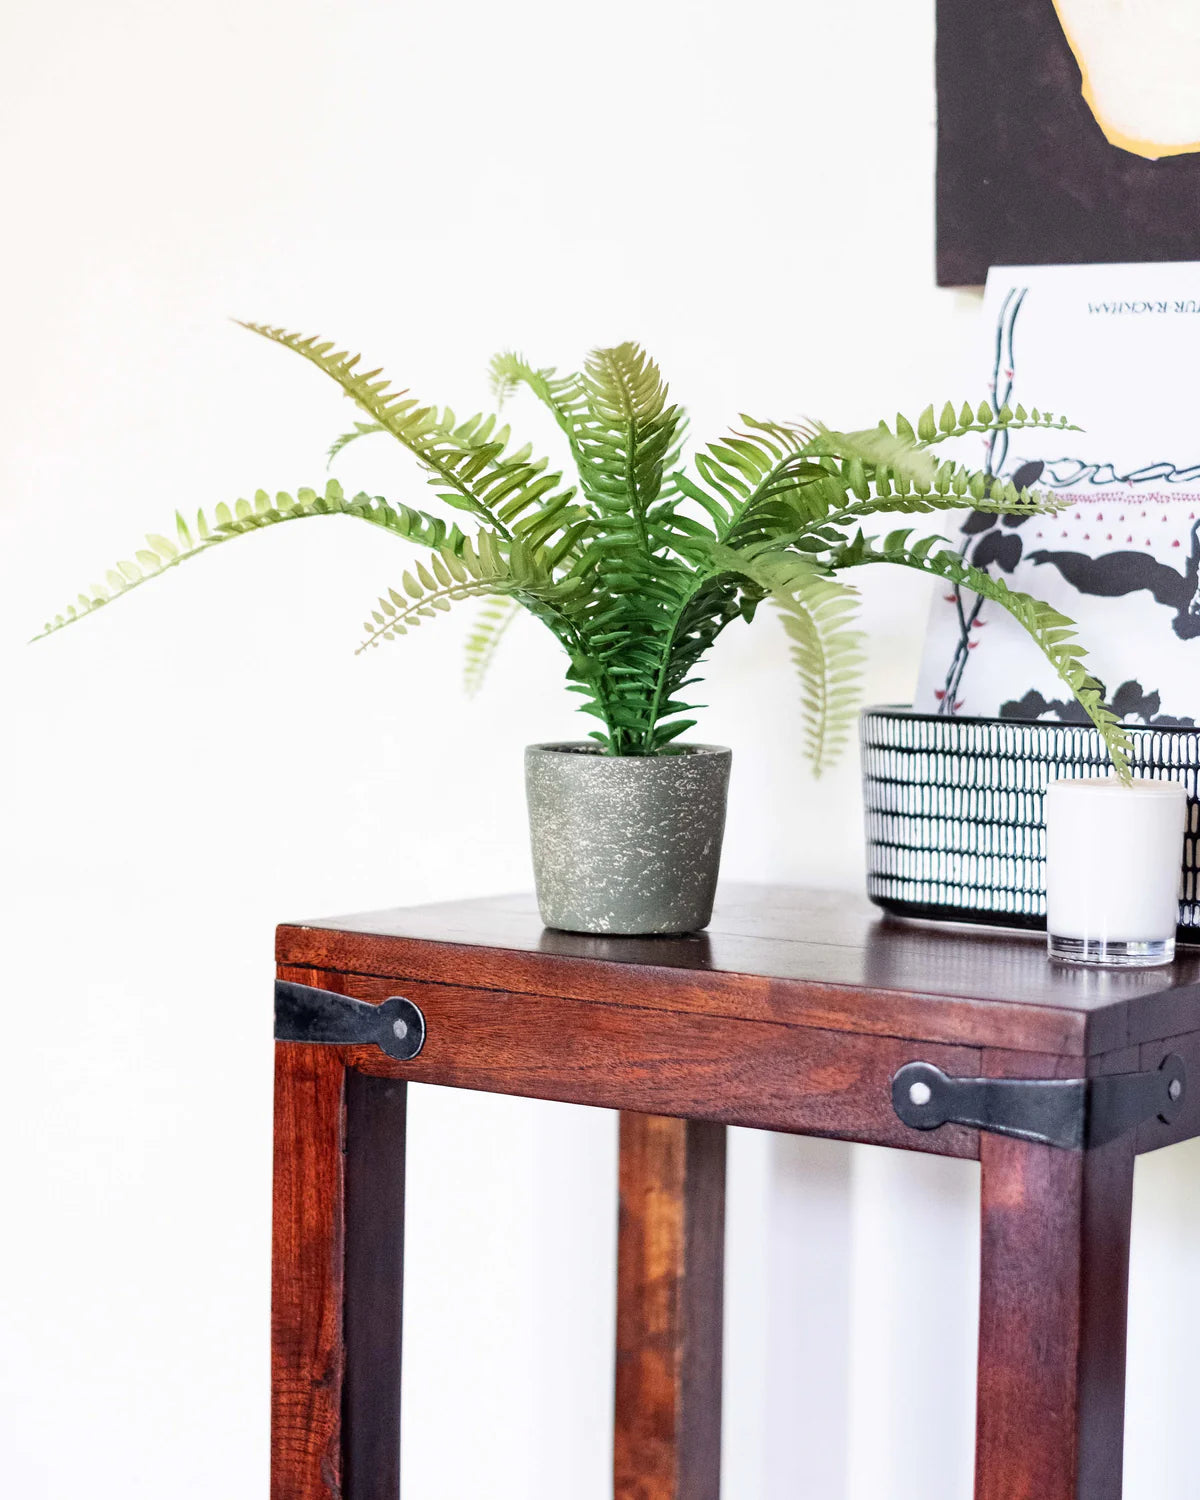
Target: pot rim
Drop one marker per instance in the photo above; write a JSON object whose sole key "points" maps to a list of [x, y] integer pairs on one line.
{"points": [[591, 748]]}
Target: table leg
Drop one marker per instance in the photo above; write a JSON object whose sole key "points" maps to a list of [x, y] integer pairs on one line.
{"points": [[336, 1279], [1053, 1303], [376, 1113], [669, 1308]]}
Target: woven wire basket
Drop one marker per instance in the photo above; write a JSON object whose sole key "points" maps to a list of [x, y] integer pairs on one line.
{"points": [[955, 828]]}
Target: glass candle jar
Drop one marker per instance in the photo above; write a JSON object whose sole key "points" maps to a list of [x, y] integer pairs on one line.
{"points": [[1113, 858]]}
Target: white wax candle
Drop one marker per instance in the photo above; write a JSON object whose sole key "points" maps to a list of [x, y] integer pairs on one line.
{"points": [[1113, 856]]}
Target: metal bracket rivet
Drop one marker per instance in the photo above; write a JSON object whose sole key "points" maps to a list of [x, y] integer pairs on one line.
{"points": [[1074, 1113], [306, 1014]]}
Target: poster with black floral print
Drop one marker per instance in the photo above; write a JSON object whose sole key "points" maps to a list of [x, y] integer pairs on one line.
{"points": [[1117, 350]]}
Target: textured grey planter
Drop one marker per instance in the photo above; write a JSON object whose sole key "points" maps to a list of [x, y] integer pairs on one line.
{"points": [[626, 844]]}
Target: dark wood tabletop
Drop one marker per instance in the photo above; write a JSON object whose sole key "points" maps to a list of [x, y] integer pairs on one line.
{"points": [[775, 953]]}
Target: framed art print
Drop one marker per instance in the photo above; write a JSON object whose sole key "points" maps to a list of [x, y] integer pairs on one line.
{"points": [[1116, 349], [1068, 132]]}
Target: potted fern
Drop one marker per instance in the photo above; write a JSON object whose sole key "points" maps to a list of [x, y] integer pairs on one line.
{"points": [[636, 566]]}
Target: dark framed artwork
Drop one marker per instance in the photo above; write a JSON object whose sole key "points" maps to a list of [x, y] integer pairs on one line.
{"points": [[1064, 138]]}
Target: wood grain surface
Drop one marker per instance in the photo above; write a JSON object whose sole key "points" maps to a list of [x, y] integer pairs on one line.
{"points": [[772, 954], [307, 1275], [753, 1073], [671, 1246], [1052, 1329], [374, 1284]]}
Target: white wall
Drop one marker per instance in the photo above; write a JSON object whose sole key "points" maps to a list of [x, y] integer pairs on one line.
{"points": [[748, 190]]}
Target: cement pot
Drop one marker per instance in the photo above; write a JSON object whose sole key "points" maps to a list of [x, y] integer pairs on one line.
{"points": [[626, 844]]}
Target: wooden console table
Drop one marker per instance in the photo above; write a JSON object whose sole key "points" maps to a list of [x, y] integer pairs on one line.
{"points": [[795, 1012]]}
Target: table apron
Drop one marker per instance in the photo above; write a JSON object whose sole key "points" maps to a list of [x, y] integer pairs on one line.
{"points": [[766, 1075]]}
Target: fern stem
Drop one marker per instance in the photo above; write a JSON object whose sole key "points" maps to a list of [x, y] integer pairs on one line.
{"points": [[668, 650]]}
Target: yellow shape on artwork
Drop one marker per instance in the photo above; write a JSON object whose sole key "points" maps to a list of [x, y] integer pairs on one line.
{"points": [[1140, 61]]}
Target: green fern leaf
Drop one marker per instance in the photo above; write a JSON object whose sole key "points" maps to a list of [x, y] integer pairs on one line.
{"points": [[400, 520], [482, 566], [639, 567], [829, 657], [561, 395], [627, 434], [491, 625], [817, 614], [984, 419], [361, 429], [467, 463], [1051, 631]]}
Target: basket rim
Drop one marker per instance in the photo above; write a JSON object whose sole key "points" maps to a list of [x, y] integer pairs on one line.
{"points": [[907, 712]]}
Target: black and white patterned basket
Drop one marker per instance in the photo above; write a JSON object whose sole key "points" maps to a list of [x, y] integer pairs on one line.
{"points": [[954, 811]]}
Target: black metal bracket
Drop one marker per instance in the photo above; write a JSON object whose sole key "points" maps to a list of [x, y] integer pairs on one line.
{"points": [[305, 1014], [1074, 1113]]}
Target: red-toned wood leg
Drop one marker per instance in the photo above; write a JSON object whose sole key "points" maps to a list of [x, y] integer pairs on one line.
{"points": [[307, 1274], [667, 1442], [1053, 1303], [336, 1279], [375, 1134]]}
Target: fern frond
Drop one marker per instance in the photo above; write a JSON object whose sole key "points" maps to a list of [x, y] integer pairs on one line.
{"points": [[474, 570], [467, 463], [931, 428], [361, 429], [486, 566], [817, 614], [562, 395], [633, 587], [639, 567], [491, 625], [1053, 633], [790, 488], [626, 436], [829, 658], [666, 657], [763, 477], [877, 449], [161, 552], [817, 536]]}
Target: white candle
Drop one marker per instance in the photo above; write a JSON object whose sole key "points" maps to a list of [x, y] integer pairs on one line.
{"points": [[1113, 857]]}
